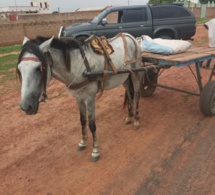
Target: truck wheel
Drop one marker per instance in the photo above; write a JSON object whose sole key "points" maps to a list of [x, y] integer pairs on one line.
{"points": [[165, 35], [82, 38], [207, 99], [146, 86]]}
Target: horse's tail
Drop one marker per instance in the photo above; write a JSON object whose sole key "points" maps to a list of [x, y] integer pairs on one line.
{"points": [[129, 92]]}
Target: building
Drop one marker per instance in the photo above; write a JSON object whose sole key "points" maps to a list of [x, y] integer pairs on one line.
{"points": [[44, 6], [35, 7]]}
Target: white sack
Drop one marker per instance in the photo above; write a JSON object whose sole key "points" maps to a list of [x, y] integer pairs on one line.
{"points": [[163, 46], [211, 32]]}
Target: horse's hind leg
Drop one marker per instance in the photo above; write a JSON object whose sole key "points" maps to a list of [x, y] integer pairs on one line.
{"points": [[82, 109], [136, 86], [136, 115], [129, 100], [132, 94], [92, 125]]}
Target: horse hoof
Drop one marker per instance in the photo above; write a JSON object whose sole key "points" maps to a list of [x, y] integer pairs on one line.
{"points": [[81, 147], [95, 158], [95, 155], [128, 121], [136, 125]]}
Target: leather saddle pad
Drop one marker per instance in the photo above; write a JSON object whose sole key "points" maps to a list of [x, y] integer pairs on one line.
{"points": [[99, 44]]}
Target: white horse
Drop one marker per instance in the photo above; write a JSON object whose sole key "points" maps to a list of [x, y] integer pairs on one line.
{"points": [[65, 60]]}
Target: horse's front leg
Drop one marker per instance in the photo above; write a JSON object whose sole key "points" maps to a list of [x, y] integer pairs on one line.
{"points": [[82, 110], [92, 125]]}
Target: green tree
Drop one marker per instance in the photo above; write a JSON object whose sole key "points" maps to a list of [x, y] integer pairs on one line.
{"points": [[160, 1], [206, 1]]}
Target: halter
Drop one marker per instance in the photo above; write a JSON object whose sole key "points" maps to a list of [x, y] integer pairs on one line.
{"points": [[40, 57], [30, 59], [35, 59]]}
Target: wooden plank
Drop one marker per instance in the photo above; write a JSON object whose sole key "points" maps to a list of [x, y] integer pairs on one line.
{"points": [[196, 49], [194, 53], [205, 50], [177, 57], [191, 57], [212, 51]]}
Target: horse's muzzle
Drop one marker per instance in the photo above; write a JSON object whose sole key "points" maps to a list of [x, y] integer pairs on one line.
{"points": [[29, 109]]}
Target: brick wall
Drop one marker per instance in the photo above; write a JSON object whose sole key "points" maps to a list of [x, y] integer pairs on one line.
{"points": [[49, 24], [34, 25], [210, 13]]}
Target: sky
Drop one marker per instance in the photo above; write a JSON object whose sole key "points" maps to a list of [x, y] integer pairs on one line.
{"points": [[68, 6]]}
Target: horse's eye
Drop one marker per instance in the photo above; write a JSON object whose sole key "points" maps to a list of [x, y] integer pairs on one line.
{"points": [[38, 69]]}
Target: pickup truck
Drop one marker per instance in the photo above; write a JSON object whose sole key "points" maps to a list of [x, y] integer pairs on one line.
{"points": [[169, 21]]}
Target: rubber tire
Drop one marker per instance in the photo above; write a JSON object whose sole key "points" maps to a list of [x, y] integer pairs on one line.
{"points": [[82, 38], [165, 37], [146, 87], [207, 99]]}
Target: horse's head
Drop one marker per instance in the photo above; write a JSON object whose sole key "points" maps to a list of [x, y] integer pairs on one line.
{"points": [[34, 73]]}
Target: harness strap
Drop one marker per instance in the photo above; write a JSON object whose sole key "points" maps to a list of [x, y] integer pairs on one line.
{"points": [[49, 59], [125, 47], [106, 55], [126, 61], [74, 86], [133, 61], [105, 75], [85, 58]]}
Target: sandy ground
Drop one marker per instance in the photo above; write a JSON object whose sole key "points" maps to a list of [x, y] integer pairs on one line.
{"points": [[172, 153]]}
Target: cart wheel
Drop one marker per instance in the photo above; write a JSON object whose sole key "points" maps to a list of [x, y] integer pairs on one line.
{"points": [[207, 99], [147, 88]]}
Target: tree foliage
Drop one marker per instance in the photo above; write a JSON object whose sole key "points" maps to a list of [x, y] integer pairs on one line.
{"points": [[203, 1], [160, 1], [172, 1]]}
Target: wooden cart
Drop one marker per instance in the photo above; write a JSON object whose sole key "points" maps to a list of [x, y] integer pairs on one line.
{"points": [[195, 56]]}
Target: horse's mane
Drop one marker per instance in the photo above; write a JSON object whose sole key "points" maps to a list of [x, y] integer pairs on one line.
{"points": [[63, 44]]}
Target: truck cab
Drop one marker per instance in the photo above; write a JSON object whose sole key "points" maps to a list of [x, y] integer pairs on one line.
{"points": [[172, 21]]}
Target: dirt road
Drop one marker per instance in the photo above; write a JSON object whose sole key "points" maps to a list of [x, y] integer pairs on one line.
{"points": [[172, 153]]}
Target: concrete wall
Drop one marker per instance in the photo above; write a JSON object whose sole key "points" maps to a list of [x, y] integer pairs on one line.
{"points": [[49, 24]]}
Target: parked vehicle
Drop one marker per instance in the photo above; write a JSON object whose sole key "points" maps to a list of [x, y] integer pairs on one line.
{"points": [[170, 21]]}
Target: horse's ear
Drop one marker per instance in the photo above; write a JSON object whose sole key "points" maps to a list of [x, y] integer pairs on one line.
{"points": [[25, 40], [45, 45]]}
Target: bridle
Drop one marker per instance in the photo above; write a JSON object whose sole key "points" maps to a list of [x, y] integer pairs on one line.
{"points": [[39, 57], [30, 59], [35, 59]]}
